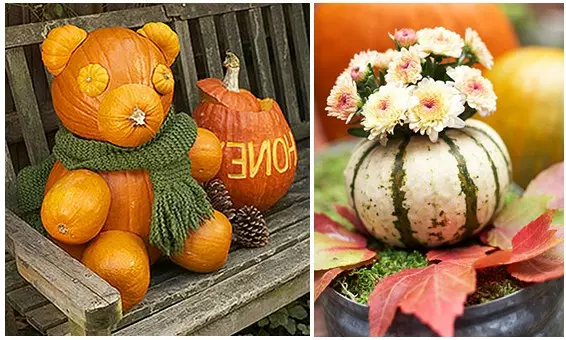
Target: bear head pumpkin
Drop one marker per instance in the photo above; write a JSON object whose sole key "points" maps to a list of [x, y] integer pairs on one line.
{"points": [[112, 84]]}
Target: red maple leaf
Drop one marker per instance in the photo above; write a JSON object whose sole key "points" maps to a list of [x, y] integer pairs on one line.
{"points": [[461, 255], [350, 215], [533, 240], [434, 294], [322, 278]]}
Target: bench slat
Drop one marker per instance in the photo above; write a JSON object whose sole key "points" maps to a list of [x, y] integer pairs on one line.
{"points": [[210, 304], [34, 33], [26, 299], [211, 49], [186, 61], [26, 104], [233, 41], [11, 182], [256, 310], [192, 11], [13, 280], [46, 317], [283, 66], [260, 55], [302, 51]]}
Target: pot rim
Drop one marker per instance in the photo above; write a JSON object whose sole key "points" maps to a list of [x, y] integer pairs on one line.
{"points": [[512, 300]]}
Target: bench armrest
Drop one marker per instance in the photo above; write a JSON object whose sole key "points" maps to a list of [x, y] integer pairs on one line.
{"points": [[90, 303]]}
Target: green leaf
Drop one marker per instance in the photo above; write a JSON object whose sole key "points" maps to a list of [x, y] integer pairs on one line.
{"points": [[358, 132], [297, 312], [279, 318], [263, 332], [263, 322], [59, 10], [291, 326], [304, 329]]}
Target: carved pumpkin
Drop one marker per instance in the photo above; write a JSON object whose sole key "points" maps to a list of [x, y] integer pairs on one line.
{"points": [[342, 30], [259, 151], [75, 208], [112, 84], [529, 83]]}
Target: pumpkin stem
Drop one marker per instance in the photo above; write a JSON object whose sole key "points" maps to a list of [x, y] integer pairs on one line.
{"points": [[232, 63], [138, 116]]}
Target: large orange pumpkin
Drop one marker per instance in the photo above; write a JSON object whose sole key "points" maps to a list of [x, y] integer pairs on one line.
{"points": [[112, 84], [529, 83], [259, 151], [341, 30]]}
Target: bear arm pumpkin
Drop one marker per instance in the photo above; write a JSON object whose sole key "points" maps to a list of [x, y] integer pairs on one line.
{"points": [[60, 44]]}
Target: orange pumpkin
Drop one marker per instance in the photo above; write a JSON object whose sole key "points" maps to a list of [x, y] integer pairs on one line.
{"points": [[259, 151], [341, 30], [75, 208], [205, 156], [529, 83], [120, 258], [206, 249], [112, 84]]}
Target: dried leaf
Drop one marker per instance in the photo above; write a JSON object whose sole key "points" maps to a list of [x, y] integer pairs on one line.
{"points": [[534, 239], [434, 294], [350, 215], [336, 246], [549, 182], [322, 278]]}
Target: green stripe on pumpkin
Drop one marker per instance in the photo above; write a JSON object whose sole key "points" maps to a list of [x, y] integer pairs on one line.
{"points": [[493, 168], [398, 177], [468, 187], [507, 161]]}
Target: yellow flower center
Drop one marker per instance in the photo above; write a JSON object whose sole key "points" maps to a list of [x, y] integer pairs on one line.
{"points": [[431, 108]]}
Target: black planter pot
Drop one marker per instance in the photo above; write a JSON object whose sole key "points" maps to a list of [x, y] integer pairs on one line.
{"points": [[537, 310]]}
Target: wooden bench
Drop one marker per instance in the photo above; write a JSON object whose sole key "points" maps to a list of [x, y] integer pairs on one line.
{"points": [[58, 295]]}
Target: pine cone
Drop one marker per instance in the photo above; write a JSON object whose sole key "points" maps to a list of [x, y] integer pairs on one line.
{"points": [[220, 198], [249, 227]]}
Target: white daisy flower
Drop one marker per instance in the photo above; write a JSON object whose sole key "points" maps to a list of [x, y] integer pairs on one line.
{"points": [[478, 48], [384, 110], [405, 68], [477, 89], [433, 106], [359, 64], [440, 41], [344, 99]]}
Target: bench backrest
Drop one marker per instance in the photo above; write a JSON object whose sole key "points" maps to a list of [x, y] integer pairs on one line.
{"points": [[271, 40]]}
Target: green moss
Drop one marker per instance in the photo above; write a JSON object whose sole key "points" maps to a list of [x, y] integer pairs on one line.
{"points": [[358, 284], [493, 283]]}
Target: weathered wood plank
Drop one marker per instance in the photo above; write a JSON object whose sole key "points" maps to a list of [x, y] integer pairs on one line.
{"points": [[11, 182], [192, 11], [186, 61], [78, 292], [13, 280], [260, 55], [10, 321], [187, 283], [300, 41], [45, 317], [61, 329], [25, 299], [220, 299], [283, 66], [211, 49], [301, 130], [233, 41], [26, 104], [14, 130], [258, 308], [34, 33]]}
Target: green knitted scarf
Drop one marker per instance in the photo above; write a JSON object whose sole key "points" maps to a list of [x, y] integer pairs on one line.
{"points": [[179, 202]]}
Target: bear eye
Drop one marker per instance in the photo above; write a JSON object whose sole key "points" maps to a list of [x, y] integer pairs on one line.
{"points": [[162, 79], [92, 79]]}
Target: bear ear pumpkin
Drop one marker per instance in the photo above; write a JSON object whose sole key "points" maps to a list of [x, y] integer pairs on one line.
{"points": [[164, 37], [59, 45]]}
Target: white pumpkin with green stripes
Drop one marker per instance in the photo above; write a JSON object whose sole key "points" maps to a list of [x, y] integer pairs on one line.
{"points": [[414, 193]]}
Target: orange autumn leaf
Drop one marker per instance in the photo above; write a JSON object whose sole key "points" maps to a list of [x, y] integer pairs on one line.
{"points": [[435, 295], [461, 255], [350, 215]]}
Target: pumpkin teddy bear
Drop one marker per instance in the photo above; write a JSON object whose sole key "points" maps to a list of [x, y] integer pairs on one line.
{"points": [[118, 187]]}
